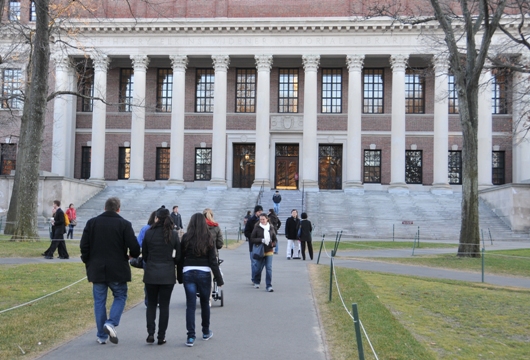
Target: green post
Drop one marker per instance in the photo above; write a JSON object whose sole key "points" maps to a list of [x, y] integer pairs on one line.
{"points": [[414, 244], [482, 235], [418, 236], [321, 244], [393, 231], [482, 264], [491, 239], [358, 334], [331, 274], [337, 241]]}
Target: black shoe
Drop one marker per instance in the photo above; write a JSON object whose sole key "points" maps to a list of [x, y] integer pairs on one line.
{"points": [[43, 254], [64, 258], [150, 339], [161, 341], [49, 257]]}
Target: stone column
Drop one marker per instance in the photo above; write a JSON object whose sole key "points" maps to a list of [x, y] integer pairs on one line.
{"points": [[309, 173], [521, 138], [140, 63], [99, 116], [354, 182], [60, 115], [484, 155], [397, 168], [218, 181], [176, 165], [71, 124], [263, 64], [441, 127]]}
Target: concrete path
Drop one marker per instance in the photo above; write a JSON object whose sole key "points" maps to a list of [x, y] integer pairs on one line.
{"points": [[253, 324]]}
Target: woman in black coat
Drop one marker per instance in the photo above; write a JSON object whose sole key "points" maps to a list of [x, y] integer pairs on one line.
{"points": [[305, 236], [161, 251], [264, 233]]}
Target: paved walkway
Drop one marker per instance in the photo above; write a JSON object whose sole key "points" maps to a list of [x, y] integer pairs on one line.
{"points": [[253, 323]]}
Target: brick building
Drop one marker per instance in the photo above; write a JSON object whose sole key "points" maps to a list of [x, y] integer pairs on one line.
{"points": [[287, 94]]}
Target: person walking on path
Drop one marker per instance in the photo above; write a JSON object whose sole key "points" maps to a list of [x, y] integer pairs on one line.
{"points": [[198, 262], [276, 199], [291, 233], [266, 234], [161, 252], [58, 230], [249, 227], [104, 245], [177, 219], [306, 230], [275, 223], [72, 216]]}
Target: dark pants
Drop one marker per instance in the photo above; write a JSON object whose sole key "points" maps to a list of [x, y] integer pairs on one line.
{"points": [[58, 243], [160, 294], [197, 282], [309, 248], [70, 234]]}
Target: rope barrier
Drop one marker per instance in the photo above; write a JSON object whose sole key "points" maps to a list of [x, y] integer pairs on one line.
{"points": [[42, 297]]}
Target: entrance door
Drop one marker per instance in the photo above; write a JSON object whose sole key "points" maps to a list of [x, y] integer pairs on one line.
{"points": [[286, 177], [244, 169], [330, 167]]}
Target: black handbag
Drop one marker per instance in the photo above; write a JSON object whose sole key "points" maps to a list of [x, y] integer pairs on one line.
{"points": [[137, 262], [258, 252]]}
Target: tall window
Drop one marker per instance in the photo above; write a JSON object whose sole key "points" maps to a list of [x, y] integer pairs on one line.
{"points": [[8, 158], [372, 166], [126, 89], [124, 163], [86, 85], [204, 91], [162, 163], [455, 167], [246, 90], [86, 156], [373, 91], [203, 163], [414, 91], [32, 12], [11, 89], [331, 91], [14, 10], [498, 168], [288, 91], [164, 90], [500, 92], [413, 168], [453, 96]]}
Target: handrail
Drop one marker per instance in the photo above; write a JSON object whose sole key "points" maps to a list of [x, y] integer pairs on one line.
{"points": [[303, 196], [260, 194]]}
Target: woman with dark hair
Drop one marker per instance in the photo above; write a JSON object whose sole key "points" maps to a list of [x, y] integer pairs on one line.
{"points": [[198, 262], [161, 251], [72, 216], [305, 236], [264, 233]]}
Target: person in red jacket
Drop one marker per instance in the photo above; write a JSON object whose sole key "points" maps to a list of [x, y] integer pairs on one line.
{"points": [[72, 216]]}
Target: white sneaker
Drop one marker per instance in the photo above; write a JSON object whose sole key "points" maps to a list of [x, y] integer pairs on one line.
{"points": [[101, 341], [256, 286], [111, 332]]}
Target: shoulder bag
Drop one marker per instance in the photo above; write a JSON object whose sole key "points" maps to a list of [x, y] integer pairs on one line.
{"points": [[258, 252]]}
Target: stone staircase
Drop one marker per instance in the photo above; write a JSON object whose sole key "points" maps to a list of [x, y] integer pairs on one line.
{"points": [[374, 215]]}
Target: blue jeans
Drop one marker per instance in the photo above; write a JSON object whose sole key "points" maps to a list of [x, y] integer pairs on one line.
{"points": [[99, 291], [197, 282], [253, 264], [276, 208], [265, 262]]}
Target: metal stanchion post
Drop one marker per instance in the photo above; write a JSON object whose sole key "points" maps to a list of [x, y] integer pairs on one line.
{"points": [[321, 244], [358, 334], [331, 275], [483, 264]]}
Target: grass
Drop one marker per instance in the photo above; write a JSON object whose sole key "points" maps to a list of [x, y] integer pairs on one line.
{"points": [[381, 245], [415, 318], [48, 321], [499, 262]]}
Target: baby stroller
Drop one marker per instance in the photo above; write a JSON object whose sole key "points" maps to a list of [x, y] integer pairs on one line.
{"points": [[217, 293]]}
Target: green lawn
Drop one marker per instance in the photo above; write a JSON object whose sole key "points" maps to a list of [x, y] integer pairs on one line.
{"points": [[383, 245], [33, 248], [416, 318]]}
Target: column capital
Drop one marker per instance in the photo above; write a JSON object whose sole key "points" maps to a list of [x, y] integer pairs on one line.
{"points": [[355, 62], [179, 62], [140, 62], [399, 62], [311, 62], [61, 60], [263, 62], [221, 62], [441, 63], [101, 61]]}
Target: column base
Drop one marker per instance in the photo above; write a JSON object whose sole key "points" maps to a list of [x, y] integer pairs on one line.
{"points": [[309, 186], [135, 184], [354, 187], [441, 189], [97, 181], [398, 188], [175, 185], [256, 185], [217, 184]]}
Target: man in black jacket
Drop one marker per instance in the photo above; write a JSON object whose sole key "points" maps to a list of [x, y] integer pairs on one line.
{"points": [[177, 219], [104, 245], [249, 226], [291, 233], [58, 231]]}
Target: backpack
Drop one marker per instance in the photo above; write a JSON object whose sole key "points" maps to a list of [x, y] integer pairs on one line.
{"points": [[66, 220]]}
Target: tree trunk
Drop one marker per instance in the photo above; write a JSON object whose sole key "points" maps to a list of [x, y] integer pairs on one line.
{"points": [[24, 202]]}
